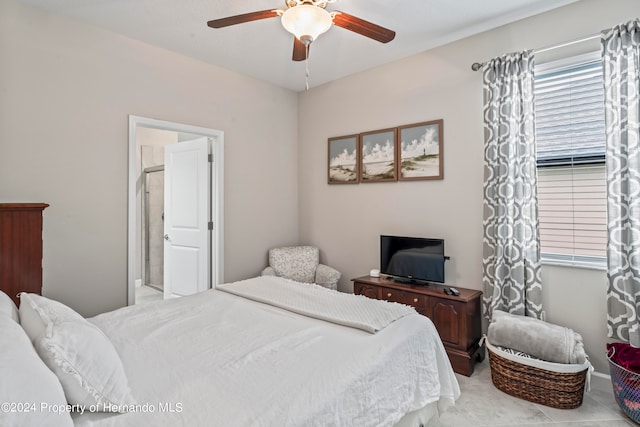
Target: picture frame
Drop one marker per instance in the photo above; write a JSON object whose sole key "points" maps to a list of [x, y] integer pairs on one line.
{"points": [[343, 159], [378, 156], [420, 151]]}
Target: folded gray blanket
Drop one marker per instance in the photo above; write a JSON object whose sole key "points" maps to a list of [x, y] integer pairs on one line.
{"points": [[538, 338]]}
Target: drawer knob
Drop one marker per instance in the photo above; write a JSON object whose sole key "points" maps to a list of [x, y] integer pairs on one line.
{"points": [[389, 295], [415, 300]]}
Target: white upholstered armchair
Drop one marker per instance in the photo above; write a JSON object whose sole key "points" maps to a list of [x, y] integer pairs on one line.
{"points": [[302, 264]]}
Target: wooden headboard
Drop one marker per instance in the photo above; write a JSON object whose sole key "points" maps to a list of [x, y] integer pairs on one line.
{"points": [[21, 248]]}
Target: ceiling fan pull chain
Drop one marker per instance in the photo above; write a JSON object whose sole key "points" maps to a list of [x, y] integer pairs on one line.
{"points": [[306, 68]]}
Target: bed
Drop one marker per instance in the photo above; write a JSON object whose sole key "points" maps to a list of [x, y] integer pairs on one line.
{"points": [[260, 352]]}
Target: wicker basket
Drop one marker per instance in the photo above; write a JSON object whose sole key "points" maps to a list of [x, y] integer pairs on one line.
{"points": [[550, 384], [626, 388]]}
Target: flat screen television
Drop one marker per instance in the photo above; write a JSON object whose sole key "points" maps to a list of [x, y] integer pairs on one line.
{"points": [[412, 259]]}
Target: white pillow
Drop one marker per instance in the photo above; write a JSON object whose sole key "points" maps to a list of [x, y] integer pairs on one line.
{"points": [[78, 352], [8, 308], [32, 392]]}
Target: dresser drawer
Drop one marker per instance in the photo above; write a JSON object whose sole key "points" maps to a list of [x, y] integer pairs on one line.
{"points": [[366, 290], [403, 297]]}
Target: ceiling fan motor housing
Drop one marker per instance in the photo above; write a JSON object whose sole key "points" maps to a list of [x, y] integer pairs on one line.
{"points": [[318, 3]]}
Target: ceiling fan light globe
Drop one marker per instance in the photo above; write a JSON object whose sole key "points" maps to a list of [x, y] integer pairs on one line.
{"points": [[306, 21]]}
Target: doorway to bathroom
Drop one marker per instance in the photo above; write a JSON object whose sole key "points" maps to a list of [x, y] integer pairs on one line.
{"points": [[152, 272], [175, 244]]}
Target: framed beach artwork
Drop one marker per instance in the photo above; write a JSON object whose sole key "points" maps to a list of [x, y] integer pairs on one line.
{"points": [[420, 154], [378, 156], [343, 160]]}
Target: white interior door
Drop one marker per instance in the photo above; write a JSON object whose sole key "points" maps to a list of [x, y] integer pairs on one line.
{"points": [[187, 201]]}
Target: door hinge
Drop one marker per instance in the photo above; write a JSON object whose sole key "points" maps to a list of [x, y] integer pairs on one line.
{"points": [[210, 158], [210, 225]]}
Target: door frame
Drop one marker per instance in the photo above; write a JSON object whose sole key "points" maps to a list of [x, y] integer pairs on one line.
{"points": [[217, 196]]}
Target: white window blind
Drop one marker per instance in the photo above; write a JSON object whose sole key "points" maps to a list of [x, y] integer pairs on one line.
{"points": [[570, 143]]}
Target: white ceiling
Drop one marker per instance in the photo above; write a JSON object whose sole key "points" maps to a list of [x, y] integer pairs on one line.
{"points": [[262, 49]]}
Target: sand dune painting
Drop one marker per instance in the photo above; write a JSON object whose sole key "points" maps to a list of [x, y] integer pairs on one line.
{"points": [[378, 150], [343, 160], [420, 150]]}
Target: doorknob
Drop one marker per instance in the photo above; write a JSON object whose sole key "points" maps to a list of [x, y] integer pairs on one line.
{"points": [[166, 237]]}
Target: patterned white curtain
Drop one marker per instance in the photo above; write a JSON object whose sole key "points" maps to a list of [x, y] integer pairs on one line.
{"points": [[511, 245], [621, 58]]}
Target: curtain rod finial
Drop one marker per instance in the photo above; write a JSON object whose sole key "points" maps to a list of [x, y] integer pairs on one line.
{"points": [[476, 66]]}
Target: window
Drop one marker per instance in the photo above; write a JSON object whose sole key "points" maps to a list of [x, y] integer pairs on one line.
{"points": [[570, 143]]}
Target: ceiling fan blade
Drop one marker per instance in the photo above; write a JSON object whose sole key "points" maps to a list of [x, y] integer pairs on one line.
{"points": [[239, 19], [299, 50], [362, 27]]}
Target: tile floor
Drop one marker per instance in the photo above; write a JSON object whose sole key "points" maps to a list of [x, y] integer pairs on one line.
{"points": [[481, 404], [146, 294]]}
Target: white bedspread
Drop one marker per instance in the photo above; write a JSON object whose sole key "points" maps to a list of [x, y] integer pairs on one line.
{"points": [[216, 359], [356, 311]]}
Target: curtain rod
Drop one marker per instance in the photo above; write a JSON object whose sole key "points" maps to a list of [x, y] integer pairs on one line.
{"points": [[478, 65]]}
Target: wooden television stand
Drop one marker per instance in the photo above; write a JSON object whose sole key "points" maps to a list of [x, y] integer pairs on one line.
{"points": [[457, 318]]}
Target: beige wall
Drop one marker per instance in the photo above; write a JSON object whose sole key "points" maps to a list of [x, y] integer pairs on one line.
{"points": [[66, 90], [345, 221]]}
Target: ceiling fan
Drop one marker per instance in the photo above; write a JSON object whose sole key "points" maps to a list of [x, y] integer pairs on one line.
{"points": [[306, 20]]}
